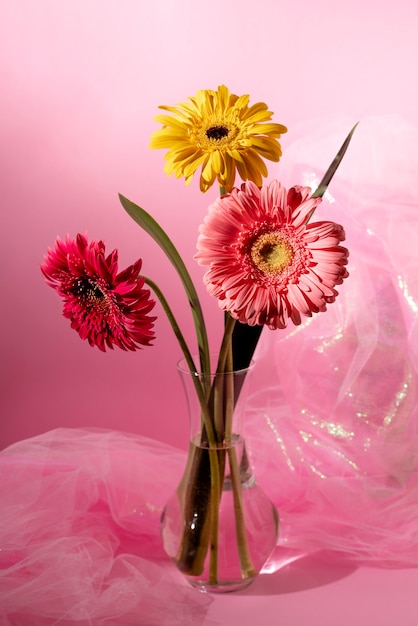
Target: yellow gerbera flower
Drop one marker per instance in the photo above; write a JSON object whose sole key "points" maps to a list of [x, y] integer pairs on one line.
{"points": [[218, 131]]}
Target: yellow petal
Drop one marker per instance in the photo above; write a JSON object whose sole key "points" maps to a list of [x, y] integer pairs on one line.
{"points": [[191, 167], [242, 170], [264, 129], [217, 161], [268, 149], [166, 120], [260, 108]]}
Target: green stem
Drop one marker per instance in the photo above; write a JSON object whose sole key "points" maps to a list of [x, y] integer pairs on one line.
{"points": [[218, 412], [199, 386], [215, 503], [229, 397], [226, 342], [218, 387], [174, 325], [220, 399], [247, 567], [226, 361]]}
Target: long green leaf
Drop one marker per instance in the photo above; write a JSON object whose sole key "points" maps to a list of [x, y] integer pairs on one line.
{"points": [[150, 226], [322, 187]]}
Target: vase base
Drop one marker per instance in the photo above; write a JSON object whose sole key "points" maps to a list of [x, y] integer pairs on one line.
{"points": [[221, 587]]}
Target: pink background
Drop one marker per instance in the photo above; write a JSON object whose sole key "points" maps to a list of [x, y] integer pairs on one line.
{"points": [[81, 81]]}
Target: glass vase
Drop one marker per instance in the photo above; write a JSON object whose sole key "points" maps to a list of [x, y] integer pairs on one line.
{"points": [[219, 527]]}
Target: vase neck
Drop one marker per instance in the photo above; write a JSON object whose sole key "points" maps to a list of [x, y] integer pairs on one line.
{"points": [[216, 406]]}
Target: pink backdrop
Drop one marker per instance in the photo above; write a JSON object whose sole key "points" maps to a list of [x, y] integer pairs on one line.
{"points": [[81, 81]]}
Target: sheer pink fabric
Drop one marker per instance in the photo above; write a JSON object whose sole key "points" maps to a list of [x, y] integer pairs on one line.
{"points": [[335, 412], [79, 532]]}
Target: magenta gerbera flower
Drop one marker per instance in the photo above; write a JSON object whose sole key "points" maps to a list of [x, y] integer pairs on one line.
{"points": [[267, 263], [105, 307]]}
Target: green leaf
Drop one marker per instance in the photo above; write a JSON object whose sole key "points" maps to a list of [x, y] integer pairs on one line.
{"points": [[150, 226], [322, 187]]}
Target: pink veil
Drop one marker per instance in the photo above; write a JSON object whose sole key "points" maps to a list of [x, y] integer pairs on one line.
{"points": [[79, 532], [334, 418]]}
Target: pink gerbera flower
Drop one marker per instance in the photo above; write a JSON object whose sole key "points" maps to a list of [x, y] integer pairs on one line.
{"points": [[106, 308], [267, 263]]}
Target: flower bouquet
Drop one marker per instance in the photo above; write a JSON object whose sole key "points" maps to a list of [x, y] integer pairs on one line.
{"points": [[267, 264]]}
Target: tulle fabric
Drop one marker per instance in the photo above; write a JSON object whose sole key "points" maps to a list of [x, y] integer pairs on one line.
{"points": [[337, 417], [332, 427], [79, 533]]}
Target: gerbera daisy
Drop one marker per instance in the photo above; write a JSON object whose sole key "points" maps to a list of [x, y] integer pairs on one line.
{"points": [[221, 133], [106, 308], [267, 263]]}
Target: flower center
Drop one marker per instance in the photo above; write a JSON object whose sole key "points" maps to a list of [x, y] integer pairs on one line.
{"points": [[217, 132], [90, 293], [271, 253]]}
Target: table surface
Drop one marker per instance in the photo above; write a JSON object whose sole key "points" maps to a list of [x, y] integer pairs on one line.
{"points": [[311, 592]]}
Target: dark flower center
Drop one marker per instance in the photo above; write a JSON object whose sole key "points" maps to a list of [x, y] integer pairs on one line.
{"points": [[217, 132], [87, 289]]}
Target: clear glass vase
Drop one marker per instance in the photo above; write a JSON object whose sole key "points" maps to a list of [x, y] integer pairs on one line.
{"points": [[219, 527]]}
